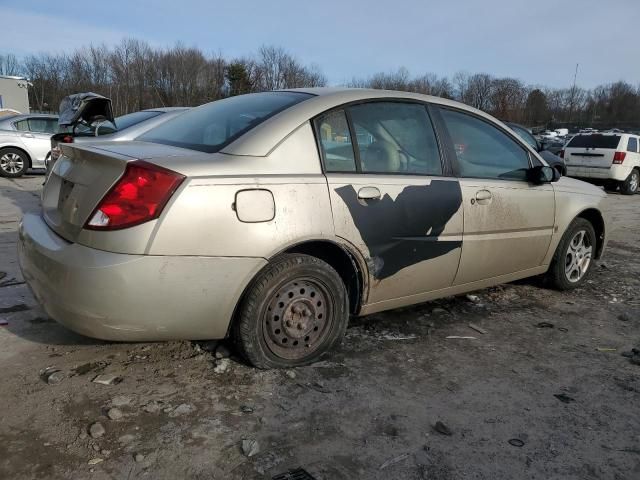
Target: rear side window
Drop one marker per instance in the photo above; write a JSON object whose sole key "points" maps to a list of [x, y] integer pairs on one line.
{"points": [[484, 151], [632, 145], [594, 140], [22, 125], [395, 138], [211, 127], [335, 140]]}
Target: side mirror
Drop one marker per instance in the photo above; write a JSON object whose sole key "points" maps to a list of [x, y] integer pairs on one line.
{"points": [[542, 174]]}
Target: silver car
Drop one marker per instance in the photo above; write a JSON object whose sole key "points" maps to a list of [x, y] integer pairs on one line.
{"points": [[273, 217], [25, 142]]}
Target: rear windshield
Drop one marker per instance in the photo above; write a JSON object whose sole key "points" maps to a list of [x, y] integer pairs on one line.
{"points": [[211, 127], [594, 141]]}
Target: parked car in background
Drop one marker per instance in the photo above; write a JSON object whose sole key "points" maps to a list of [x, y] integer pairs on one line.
{"points": [[552, 160], [272, 217], [25, 142], [609, 159], [125, 127]]}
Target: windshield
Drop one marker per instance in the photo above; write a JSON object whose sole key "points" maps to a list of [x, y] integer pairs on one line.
{"points": [[212, 126], [594, 141]]}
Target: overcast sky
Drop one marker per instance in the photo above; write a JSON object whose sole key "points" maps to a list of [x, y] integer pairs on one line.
{"points": [[537, 41]]}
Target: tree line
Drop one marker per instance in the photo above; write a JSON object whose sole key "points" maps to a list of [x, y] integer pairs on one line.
{"points": [[136, 76]]}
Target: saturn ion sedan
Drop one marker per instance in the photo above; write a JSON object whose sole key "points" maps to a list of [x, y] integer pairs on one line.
{"points": [[272, 217]]}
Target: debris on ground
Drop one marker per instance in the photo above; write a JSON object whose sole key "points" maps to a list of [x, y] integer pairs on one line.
{"points": [[460, 337], [246, 409], [138, 457], [250, 447], [544, 325], [89, 367], [397, 336], [564, 398], [633, 355], [121, 401], [477, 328], [393, 461], [52, 375], [222, 365], [95, 461], [291, 374], [297, 474], [114, 414], [107, 379], [473, 298], [182, 409], [442, 429], [605, 349], [96, 430], [516, 442], [3, 322]]}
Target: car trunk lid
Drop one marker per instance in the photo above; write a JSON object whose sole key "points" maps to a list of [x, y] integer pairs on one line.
{"points": [[83, 175]]}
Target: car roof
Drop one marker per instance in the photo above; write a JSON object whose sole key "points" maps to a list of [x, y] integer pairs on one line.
{"points": [[165, 109], [263, 138]]}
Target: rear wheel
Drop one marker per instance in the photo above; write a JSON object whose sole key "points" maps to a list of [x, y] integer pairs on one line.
{"points": [[13, 163], [294, 312], [574, 256], [630, 185]]}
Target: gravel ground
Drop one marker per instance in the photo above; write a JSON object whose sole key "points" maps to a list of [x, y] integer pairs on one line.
{"points": [[398, 400]]}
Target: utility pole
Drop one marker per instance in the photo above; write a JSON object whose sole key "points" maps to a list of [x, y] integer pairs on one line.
{"points": [[573, 93]]}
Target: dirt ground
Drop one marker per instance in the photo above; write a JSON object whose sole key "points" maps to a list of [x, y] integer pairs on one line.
{"points": [[518, 402]]}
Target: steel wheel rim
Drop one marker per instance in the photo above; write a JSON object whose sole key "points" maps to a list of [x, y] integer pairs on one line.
{"points": [[297, 318], [633, 182], [11, 163], [578, 257]]}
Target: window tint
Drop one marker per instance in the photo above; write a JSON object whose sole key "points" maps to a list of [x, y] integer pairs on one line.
{"points": [[594, 140], [22, 125], [43, 125], [395, 138], [632, 146], [483, 150], [335, 140], [212, 126]]}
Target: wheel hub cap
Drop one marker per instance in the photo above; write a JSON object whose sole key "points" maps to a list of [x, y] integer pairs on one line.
{"points": [[578, 257], [11, 163], [296, 319]]}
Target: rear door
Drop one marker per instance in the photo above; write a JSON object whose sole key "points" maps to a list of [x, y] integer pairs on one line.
{"points": [[508, 222], [35, 133], [391, 195], [594, 150]]}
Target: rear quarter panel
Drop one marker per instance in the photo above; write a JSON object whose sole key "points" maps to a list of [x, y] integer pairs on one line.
{"points": [[202, 219]]}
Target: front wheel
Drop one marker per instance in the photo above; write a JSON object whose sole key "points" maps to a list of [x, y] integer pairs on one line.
{"points": [[574, 256], [630, 185], [294, 312], [13, 163]]}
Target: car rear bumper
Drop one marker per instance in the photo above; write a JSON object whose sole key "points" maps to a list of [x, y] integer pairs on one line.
{"points": [[614, 172], [115, 296]]}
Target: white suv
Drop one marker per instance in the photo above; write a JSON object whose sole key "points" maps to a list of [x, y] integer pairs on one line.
{"points": [[608, 158]]}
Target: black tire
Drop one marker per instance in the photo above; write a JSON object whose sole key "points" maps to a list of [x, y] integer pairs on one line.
{"points": [[13, 162], [286, 294], [630, 185], [557, 274]]}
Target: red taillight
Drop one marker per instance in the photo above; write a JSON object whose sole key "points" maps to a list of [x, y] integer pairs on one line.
{"points": [[618, 157], [67, 139], [561, 154], [139, 196]]}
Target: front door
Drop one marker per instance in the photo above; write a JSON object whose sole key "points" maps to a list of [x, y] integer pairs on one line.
{"points": [[508, 222], [390, 197]]}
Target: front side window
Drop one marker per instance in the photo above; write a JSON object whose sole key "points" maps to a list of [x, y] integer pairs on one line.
{"points": [[632, 145], [484, 151], [211, 127], [395, 138], [335, 141], [525, 135]]}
